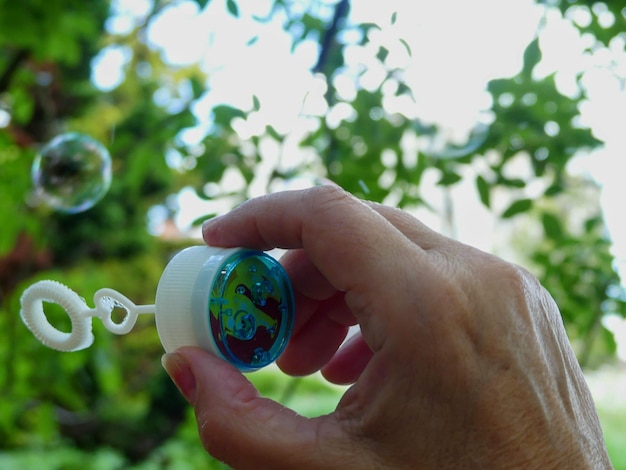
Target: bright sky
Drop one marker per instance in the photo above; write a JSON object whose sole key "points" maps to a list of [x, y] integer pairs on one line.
{"points": [[452, 60], [453, 57], [457, 47]]}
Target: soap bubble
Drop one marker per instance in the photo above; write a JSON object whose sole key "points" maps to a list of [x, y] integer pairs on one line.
{"points": [[71, 173]]}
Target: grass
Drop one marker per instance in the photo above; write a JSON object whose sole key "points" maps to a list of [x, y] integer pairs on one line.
{"points": [[608, 387], [614, 426]]}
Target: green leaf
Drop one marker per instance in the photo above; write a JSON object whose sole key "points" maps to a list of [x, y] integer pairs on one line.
{"points": [[394, 17], [252, 40], [224, 114], [511, 182], [552, 226], [274, 133], [203, 218], [202, 3], [593, 223], [407, 47], [532, 56], [232, 8], [256, 104], [449, 178], [262, 19], [554, 189], [382, 54], [197, 87], [484, 190], [517, 207], [404, 89]]}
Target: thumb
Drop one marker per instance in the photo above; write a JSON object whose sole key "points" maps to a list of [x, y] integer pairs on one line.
{"points": [[237, 425]]}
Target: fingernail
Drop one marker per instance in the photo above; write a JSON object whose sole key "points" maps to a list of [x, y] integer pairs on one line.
{"points": [[179, 371], [207, 225], [211, 221]]}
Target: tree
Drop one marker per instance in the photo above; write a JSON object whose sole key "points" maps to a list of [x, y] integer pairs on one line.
{"points": [[364, 140]]}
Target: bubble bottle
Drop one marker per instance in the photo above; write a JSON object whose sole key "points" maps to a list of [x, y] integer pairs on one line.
{"points": [[71, 173], [236, 303]]}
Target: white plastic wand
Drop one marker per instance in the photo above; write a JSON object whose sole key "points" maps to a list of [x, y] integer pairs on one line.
{"points": [[81, 336]]}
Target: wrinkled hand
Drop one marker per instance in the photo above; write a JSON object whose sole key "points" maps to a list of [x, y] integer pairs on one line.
{"points": [[463, 360]]}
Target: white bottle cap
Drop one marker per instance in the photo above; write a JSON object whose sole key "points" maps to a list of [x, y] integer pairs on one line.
{"points": [[234, 302]]}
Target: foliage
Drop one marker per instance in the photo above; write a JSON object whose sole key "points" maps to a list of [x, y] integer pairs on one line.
{"points": [[113, 402]]}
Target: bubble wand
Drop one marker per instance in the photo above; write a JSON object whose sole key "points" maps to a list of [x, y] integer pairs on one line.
{"points": [[233, 302]]}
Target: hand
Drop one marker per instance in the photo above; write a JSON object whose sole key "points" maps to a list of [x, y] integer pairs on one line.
{"points": [[462, 360]]}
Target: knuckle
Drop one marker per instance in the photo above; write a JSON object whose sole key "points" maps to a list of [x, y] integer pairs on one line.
{"points": [[520, 280], [326, 198]]}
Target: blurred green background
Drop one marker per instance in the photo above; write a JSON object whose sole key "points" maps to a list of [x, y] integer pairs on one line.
{"points": [[188, 141]]}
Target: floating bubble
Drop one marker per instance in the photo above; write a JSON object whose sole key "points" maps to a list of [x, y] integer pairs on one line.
{"points": [[71, 173]]}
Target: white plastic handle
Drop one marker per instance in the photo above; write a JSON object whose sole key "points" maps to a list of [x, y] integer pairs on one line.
{"points": [[81, 336]]}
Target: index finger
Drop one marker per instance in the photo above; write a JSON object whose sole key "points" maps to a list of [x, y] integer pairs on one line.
{"points": [[354, 247]]}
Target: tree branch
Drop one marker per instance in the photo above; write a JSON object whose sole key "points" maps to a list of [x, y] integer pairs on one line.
{"points": [[5, 79], [341, 11]]}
